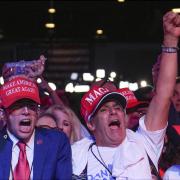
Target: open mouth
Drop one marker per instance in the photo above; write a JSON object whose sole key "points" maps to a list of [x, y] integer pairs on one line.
{"points": [[114, 123], [25, 122]]}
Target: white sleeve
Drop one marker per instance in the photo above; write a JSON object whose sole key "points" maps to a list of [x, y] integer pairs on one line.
{"points": [[153, 141], [166, 175], [172, 173]]}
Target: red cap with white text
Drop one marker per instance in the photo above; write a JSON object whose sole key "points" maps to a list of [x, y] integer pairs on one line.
{"points": [[97, 96], [132, 101], [19, 88]]}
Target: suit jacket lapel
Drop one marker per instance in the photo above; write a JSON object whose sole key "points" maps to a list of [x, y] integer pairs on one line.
{"points": [[40, 154], [5, 155]]}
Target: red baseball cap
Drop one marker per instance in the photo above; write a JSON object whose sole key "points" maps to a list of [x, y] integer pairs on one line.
{"points": [[177, 128], [97, 96], [132, 101], [19, 88]]}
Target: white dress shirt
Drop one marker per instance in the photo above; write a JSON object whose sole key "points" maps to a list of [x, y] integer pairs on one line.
{"points": [[15, 153]]}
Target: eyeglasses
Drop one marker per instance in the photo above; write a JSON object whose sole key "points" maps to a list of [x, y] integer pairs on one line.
{"points": [[18, 106]]}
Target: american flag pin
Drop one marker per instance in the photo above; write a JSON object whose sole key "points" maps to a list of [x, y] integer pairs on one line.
{"points": [[39, 141]]}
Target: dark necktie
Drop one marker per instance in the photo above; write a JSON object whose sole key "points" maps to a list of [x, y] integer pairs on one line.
{"points": [[22, 170]]}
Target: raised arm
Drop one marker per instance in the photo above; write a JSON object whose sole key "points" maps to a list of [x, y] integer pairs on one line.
{"points": [[52, 93], [157, 114]]}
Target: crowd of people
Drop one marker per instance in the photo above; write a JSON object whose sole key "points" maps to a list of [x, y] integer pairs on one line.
{"points": [[122, 134]]}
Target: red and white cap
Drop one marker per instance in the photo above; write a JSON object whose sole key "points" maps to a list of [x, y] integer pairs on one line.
{"points": [[97, 96], [132, 101], [19, 88]]}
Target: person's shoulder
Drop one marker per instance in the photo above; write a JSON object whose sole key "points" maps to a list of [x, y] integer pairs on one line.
{"points": [[3, 133], [174, 168], [172, 172], [51, 133], [132, 135], [80, 150], [83, 142]]}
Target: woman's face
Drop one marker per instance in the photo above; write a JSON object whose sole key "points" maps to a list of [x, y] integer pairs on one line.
{"points": [[46, 122], [63, 122]]}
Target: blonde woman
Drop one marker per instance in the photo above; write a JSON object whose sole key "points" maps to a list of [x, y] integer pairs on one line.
{"points": [[68, 122]]}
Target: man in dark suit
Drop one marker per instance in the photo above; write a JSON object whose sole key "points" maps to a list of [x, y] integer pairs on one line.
{"points": [[46, 154]]}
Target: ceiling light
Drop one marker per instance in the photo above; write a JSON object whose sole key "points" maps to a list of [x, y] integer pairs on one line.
{"points": [[113, 74], [51, 10], [88, 77], [143, 83], [69, 87], [81, 88], [74, 76], [52, 86], [50, 25], [123, 84], [133, 86], [100, 73], [176, 10], [99, 31]]}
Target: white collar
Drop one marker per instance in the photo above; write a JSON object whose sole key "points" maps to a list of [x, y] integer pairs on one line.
{"points": [[30, 143]]}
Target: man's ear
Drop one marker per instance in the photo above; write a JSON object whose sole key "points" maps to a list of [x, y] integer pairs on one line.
{"points": [[3, 114], [91, 125]]}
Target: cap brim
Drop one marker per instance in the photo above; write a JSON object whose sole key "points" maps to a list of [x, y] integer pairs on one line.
{"points": [[9, 103], [110, 96], [138, 104]]}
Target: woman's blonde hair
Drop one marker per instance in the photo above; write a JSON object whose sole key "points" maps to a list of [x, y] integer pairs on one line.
{"points": [[76, 133]]}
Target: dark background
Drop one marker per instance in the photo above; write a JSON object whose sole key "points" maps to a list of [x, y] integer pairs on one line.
{"points": [[130, 45], [131, 21], [131, 42]]}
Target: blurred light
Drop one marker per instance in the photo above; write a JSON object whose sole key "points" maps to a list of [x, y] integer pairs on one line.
{"points": [[1, 36], [99, 31], [39, 80], [120, 0], [176, 10], [133, 86], [69, 87], [46, 93], [74, 76], [81, 88], [50, 25], [100, 73], [52, 86], [143, 83], [113, 74], [111, 79], [98, 79], [88, 77], [51, 10], [1, 80], [123, 84]]}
